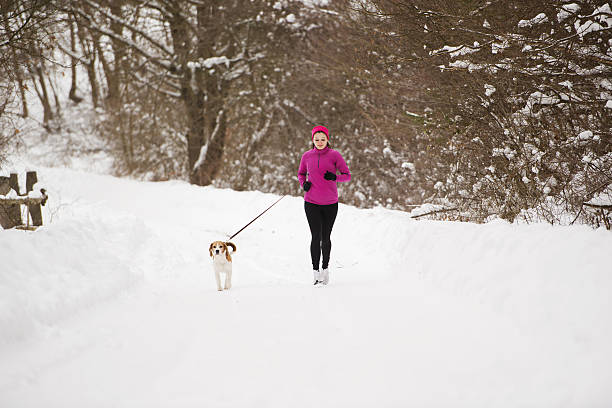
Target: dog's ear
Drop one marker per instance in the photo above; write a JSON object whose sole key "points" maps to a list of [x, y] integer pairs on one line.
{"points": [[210, 250], [231, 244], [227, 252]]}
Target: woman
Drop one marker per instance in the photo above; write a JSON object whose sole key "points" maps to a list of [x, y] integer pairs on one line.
{"points": [[318, 175]]}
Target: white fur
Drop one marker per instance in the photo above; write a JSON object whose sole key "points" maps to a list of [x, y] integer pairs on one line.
{"points": [[221, 264]]}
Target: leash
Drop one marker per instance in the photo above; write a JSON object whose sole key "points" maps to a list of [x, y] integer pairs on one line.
{"points": [[257, 217]]}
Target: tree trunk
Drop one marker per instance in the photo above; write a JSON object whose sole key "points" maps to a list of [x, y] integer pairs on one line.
{"points": [[58, 105], [38, 79], [73, 70], [192, 95], [114, 74], [112, 84], [195, 138], [24, 102], [90, 56], [210, 166], [215, 118]]}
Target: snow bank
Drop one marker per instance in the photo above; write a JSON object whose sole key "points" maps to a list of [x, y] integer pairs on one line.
{"points": [[543, 278], [539, 275], [64, 268]]}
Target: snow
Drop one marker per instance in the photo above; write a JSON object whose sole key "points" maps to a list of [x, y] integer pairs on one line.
{"points": [[603, 198], [585, 135], [212, 61], [409, 166], [201, 157], [315, 3], [456, 51], [604, 15], [11, 194], [539, 98], [567, 10], [497, 47], [539, 19], [113, 303], [507, 152], [426, 208], [209, 62], [466, 65]]}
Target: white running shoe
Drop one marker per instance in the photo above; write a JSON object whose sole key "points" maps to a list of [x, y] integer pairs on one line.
{"points": [[324, 276], [317, 276]]}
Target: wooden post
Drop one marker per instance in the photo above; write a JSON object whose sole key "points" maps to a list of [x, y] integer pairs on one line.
{"points": [[14, 182], [34, 209], [31, 179], [4, 185], [13, 211], [4, 190]]}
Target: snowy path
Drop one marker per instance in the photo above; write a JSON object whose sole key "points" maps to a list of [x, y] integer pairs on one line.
{"points": [[418, 313]]}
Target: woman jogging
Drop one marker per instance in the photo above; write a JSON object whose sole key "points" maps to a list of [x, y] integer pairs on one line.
{"points": [[318, 175]]}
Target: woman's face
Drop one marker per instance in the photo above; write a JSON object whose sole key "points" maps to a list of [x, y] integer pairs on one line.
{"points": [[320, 140]]}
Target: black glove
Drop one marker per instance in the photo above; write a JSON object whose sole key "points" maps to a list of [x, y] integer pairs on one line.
{"points": [[329, 176], [307, 185]]}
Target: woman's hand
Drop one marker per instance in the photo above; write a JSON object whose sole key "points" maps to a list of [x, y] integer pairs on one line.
{"points": [[329, 176], [307, 185]]}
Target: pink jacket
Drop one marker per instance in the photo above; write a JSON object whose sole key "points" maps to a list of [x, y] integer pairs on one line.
{"points": [[313, 166]]}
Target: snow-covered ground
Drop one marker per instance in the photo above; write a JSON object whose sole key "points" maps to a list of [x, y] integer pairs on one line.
{"points": [[113, 304]]}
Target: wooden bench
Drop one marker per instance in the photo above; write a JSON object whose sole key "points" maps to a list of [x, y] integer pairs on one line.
{"points": [[10, 204]]}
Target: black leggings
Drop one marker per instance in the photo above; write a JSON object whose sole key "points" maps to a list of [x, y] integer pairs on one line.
{"points": [[321, 221]]}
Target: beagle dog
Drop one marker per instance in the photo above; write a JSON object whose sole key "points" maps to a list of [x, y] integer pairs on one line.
{"points": [[222, 262]]}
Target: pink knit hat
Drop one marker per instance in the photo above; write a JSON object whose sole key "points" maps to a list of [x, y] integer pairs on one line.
{"points": [[320, 128]]}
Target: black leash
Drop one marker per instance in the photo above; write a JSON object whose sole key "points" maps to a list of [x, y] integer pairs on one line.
{"points": [[257, 217]]}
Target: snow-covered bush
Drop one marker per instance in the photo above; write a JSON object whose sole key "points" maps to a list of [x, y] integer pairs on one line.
{"points": [[521, 97]]}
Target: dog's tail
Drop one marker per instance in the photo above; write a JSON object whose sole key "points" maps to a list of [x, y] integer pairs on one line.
{"points": [[231, 244]]}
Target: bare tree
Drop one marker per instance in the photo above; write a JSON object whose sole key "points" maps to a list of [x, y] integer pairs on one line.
{"points": [[26, 25], [194, 54]]}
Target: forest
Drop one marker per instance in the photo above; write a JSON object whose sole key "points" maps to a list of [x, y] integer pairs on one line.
{"points": [[470, 110]]}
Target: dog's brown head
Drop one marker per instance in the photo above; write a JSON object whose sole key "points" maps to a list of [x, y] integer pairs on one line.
{"points": [[220, 247]]}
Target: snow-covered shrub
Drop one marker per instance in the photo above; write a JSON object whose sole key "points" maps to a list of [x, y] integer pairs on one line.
{"points": [[522, 100]]}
